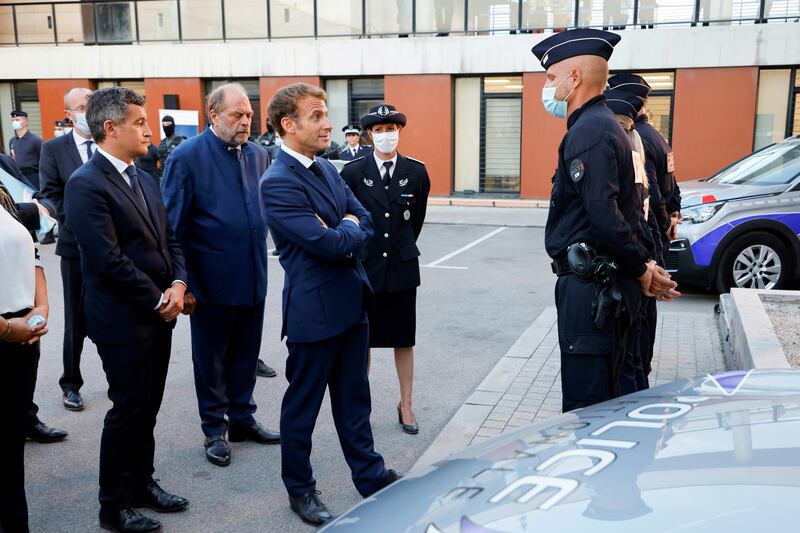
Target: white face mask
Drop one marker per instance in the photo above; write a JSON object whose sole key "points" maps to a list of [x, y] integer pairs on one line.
{"points": [[386, 142], [81, 122], [58, 133], [16, 125]]}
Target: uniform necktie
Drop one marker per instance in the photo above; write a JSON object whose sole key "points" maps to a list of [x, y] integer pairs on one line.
{"points": [[88, 145], [387, 165]]}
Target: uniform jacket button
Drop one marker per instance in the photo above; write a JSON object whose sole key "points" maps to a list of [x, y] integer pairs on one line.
{"points": [[386, 215], [385, 254], [385, 235]]}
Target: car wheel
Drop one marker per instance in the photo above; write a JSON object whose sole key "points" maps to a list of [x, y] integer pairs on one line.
{"points": [[756, 260]]}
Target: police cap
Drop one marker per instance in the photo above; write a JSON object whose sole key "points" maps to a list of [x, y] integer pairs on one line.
{"points": [[18, 113], [383, 114], [578, 42], [351, 128], [623, 103], [632, 83]]}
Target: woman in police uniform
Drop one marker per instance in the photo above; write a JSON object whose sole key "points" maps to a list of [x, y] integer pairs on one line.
{"points": [[394, 188]]}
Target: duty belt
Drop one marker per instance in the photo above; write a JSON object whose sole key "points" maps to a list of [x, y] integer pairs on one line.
{"points": [[561, 267]]}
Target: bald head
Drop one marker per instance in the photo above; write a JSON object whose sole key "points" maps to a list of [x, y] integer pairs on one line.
{"points": [[579, 79], [76, 96], [76, 101]]}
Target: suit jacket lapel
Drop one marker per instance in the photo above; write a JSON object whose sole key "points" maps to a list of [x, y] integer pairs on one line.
{"points": [[115, 177], [324, 189], [72, 149], [373, 175]]}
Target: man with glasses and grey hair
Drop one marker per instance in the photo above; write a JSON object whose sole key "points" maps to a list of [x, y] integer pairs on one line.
{"points": [[60, 158], [134, 281], [210, 189]]}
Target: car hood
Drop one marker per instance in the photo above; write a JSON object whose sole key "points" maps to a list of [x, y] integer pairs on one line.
{"points": [[693, 192], [712, 454]]}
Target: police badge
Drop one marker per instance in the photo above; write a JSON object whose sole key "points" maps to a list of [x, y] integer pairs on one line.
{"points": [[383, 111], [403, 182], [368, 182], [406, 214]]}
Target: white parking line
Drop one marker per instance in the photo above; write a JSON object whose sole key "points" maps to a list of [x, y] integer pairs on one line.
{"points": [[465, 248]]}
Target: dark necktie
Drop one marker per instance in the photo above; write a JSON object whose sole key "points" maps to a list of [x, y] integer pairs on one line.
{"points": [[387, 165], [136, 187], [316, 170], [88, 145]]}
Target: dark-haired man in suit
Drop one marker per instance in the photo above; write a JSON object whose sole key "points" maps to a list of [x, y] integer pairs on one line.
{"points": [[134, 282]]}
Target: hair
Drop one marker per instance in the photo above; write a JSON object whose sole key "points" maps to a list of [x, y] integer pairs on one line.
{"points": [[284, 103], [109, 104], [82, 90], [216, 99]]}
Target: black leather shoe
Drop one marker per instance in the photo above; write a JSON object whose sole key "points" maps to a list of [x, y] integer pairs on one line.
{"points": [[391, 477], [264, 371], [127, 521], [255, 433], [411, 429], [217, 450], [73, 401], [154, 497], [39, 432], [310, 508]]}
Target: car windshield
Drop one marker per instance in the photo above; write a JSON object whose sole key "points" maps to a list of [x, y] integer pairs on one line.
{"points": [[777, 165]]}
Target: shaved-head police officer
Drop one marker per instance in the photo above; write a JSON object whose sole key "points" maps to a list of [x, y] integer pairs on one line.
{"points": [[593, 227]]}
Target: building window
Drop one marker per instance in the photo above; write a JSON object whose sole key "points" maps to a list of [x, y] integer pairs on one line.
{"points": [[778, 106], [134, 85], [253, 91], [660, 103], [350, 99], [488, 135], [26, 98]]}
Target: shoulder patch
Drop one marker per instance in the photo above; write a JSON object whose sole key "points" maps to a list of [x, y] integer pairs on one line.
{"points": [[576, 170], [415, 160]]}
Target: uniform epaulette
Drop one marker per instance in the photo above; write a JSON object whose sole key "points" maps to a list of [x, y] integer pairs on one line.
{"points": [[415, 160], [354, 160]]}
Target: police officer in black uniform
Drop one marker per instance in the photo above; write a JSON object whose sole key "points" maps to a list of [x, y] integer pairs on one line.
{"points": [[660, 161], [353, 149], [593, 227], [394, 188], [25, 147], [170, 141]]}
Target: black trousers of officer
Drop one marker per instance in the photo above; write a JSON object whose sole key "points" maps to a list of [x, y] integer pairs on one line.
{"points": [[226, 341], [74, 330], [340, 364], [17, 381], [136, 375], [590, 357]]}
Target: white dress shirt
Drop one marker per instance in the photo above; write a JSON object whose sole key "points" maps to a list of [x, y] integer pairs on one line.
{"points": [[80, 142], [17, 265], [380, 162]]}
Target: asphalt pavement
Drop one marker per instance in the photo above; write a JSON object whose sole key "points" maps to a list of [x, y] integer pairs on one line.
{"points": [[485, 279]]}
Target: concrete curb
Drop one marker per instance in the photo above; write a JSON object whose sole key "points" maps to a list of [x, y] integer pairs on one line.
{"points": [[752, 338], [460, 430], [487, 202]]}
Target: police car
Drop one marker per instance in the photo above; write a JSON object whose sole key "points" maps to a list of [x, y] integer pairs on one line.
{"points": [[716, 453], [740, 227]]}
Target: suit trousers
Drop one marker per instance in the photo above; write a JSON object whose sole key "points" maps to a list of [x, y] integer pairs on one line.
{"points": [[136, 375], [74, 330], [17, 381], [339, 364], [226, 341]]}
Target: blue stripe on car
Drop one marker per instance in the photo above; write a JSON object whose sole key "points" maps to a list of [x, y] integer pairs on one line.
{"points": [[703, 248]]}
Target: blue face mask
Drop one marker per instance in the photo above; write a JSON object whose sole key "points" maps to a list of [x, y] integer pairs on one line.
{"points": [[557, 108], [81, 122]]}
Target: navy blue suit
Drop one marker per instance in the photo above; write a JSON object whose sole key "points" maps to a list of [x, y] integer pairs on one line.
{"points": [[128, 259], [324, 318], [211, 199]]}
